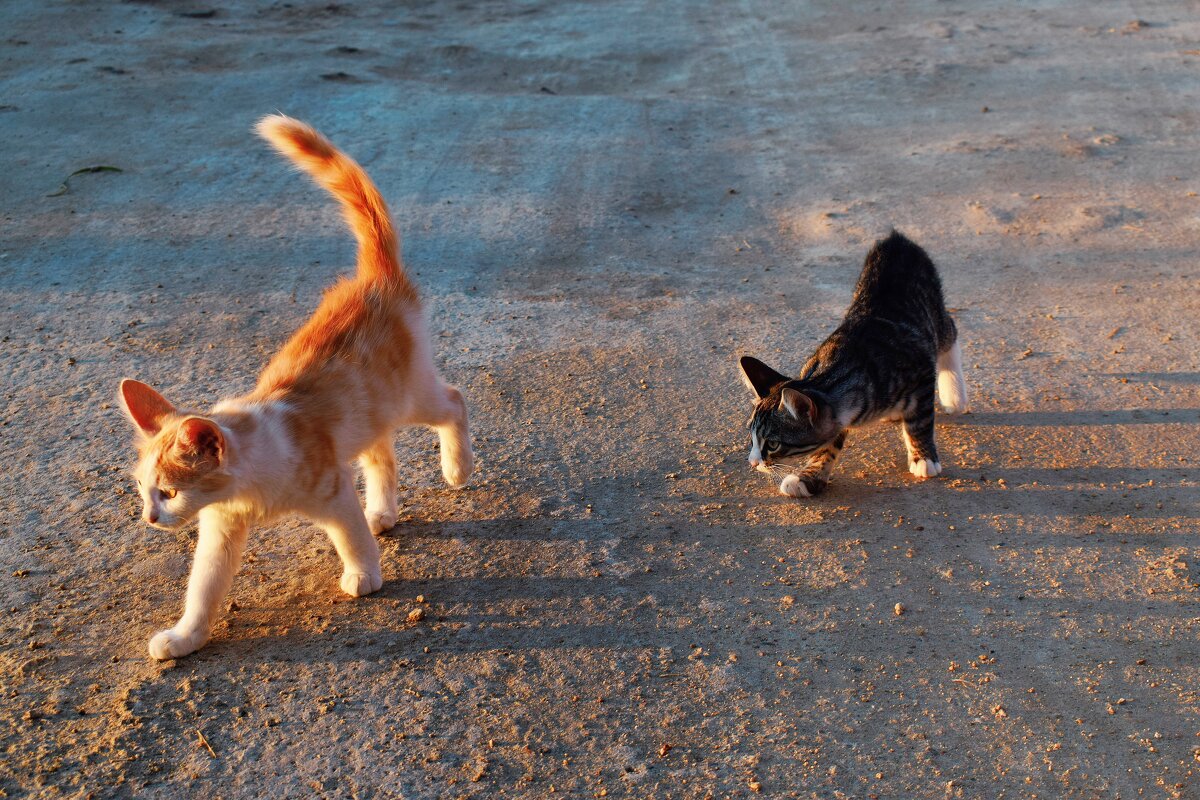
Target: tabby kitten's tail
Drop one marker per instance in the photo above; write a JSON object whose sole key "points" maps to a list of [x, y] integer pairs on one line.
{"points": [[362, 205]]}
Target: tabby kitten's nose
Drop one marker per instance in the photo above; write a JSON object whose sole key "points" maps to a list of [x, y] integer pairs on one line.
{"points": [[756, 462]]}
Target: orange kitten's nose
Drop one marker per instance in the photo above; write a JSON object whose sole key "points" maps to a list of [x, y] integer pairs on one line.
{"points": [[151, 516]]}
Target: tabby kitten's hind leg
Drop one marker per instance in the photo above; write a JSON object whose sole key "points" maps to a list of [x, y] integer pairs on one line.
{"points": [[951, 388], [379, 474], [917, 427], [813, 479]]}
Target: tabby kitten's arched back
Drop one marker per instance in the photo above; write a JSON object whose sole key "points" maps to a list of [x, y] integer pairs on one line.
{"points": [[896, 341]]}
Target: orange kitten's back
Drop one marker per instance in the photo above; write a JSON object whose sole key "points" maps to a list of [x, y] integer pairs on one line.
{"points": [[363, 323], [348, 370]]}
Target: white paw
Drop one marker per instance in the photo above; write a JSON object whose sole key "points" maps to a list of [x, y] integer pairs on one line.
{"points": [[924, 468], [380, 521], [169, 644], [792, 486], [457, 468], [955, 405], [357, 584]]}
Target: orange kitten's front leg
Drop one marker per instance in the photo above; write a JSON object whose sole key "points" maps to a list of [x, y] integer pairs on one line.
{"points": [[218, 554], [342, 518]]}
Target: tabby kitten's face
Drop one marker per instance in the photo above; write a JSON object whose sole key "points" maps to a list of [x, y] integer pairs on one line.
{"points": [[782, 430], [787, 425]]}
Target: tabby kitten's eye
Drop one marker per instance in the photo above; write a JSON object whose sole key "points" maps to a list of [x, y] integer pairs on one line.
{"points": [[169, 493], [772, 445]]}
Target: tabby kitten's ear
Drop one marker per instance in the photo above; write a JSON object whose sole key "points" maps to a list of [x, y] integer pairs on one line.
{"points": [[146, 408], [798, 404], [758, 377]]}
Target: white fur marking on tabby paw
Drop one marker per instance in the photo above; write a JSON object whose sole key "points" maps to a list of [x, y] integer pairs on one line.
{"points": [[380, 521], [357, 584], [925, 468], [169, 644], [792, 486]]}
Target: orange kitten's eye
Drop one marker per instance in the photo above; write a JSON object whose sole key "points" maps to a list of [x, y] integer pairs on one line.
{"points": [[169, 493]]}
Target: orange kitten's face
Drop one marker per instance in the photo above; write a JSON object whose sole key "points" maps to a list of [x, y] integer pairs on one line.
{"points": [[177, 477], [181, 468]]}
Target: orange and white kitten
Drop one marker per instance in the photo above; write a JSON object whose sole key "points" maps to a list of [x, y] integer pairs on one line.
{"points": [[356, 371]]}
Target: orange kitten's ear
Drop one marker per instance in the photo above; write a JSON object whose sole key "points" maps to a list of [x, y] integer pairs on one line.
{"points": [[145, 407], [202, 438]]}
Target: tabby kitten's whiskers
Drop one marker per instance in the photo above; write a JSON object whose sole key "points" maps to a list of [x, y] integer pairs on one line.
{"points": [[895, 343]]}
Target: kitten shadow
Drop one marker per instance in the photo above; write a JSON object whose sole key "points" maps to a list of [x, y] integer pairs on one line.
{"points": [[1135, 416]]}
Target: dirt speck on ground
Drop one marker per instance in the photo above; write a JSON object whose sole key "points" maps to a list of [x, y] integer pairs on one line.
{"points": [[605, 204]]}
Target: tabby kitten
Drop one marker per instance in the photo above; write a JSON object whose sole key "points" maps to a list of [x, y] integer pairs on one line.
{"points": [[357, 370], [880, 363]]}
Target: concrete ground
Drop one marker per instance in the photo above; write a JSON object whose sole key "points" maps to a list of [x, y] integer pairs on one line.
{"points": [[604, 204]]}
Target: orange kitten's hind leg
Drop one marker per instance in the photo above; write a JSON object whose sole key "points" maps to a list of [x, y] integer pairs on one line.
{"points": [[446, 412], [379, 473], [458, 460], [342, 518]]}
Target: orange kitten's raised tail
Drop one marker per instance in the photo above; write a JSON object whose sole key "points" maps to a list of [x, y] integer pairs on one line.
{"points": [[363, 207]]}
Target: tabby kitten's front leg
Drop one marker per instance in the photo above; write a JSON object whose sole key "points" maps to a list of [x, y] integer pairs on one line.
{"points": [[917, 429], [218, 554], [813, 479]]}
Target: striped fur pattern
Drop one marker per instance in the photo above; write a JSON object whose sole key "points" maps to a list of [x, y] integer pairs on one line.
{"points": [[896, 342], [360, 368]]}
